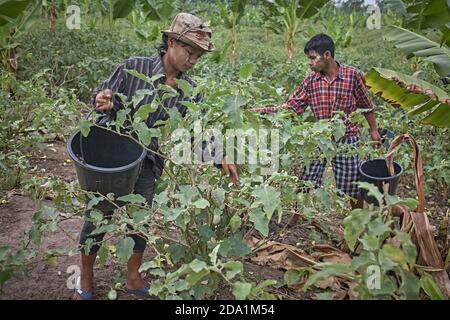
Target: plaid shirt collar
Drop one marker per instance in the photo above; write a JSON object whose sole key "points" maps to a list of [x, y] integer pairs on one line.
{"points": [[341, 73]]}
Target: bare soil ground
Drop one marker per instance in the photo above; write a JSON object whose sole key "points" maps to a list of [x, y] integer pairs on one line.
{"points": [[50, 283]]}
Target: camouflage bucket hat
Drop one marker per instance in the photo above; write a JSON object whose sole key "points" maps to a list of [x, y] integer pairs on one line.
{"points": [[191, 30]]}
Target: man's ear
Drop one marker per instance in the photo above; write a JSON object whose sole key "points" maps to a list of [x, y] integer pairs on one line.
{"points": [[327, 55], [170, 42]]}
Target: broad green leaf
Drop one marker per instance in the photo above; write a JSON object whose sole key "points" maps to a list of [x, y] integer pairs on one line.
{"points": [[184, 86], [361, 262], [4, 251], [329, 270], [103, 254], [173, 213], [141, 216], [269, 197], [232, 108], [205, 233], [431, 288], [145, 110], [197, 265], [194, 277], [323, 197], [162, 198], [413, 43], [177, 252], [381, 82], [11, 10], [201, 203], [234, 268], [85, 127], [145, 133], [125, 249], [213, 255], [395, 254], [370, 242], [308, 8], [93, 202], [187, 194], [234, 246], [372, 190], [354, 225], [292, 276], [132, 198], [260, 220], [247, 70], [410, 286], [219, 196], [122, 8], [241, 290], [235, 223]]}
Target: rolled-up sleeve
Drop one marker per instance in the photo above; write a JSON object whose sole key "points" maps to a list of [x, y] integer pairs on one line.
{"points": [[116, 83], [362, 94], [298, 100]]}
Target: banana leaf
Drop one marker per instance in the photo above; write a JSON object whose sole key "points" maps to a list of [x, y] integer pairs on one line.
{"points": [[429, 101], [414, 44]]}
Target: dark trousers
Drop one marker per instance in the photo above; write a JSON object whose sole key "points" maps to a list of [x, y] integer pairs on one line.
{"points": [[145, 186]]}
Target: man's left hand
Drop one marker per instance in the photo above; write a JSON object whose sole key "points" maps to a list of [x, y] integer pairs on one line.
{"points": [[376, 138], [230, 170]]}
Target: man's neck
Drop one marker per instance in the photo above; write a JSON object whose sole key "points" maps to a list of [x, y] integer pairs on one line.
{"points": [[169, 70], [331, 71]]}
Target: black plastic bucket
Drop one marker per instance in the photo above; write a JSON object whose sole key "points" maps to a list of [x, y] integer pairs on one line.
{"points": [[107, 162], [376, 172]]}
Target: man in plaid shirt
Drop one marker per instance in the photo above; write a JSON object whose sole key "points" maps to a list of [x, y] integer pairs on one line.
{"points": [[332, 87]]}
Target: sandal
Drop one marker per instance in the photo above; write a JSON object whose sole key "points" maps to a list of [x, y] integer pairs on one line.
{"points": [[143, 292], [84, 295]]}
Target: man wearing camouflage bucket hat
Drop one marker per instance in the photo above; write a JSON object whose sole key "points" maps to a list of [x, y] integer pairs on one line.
{"points": [[187, 39], [192, 31]]}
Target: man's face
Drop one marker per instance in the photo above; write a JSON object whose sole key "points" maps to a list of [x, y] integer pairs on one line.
{"points": [[318, 62], [183, 56]]}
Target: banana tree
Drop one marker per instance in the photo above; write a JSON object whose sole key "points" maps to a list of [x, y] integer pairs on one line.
{"points": [[420, 46], [148, 16], [416, 96], [284, 17], [422, 15], [231, 13], [16, 17]]}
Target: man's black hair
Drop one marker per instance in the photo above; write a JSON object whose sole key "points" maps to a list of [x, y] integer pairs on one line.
{"points": [[163, 45], [320, 43]]}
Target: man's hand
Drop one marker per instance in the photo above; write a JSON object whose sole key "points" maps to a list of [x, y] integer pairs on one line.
{"points": [[256, 109], [376, 137], [103, 100], [230, 170]]}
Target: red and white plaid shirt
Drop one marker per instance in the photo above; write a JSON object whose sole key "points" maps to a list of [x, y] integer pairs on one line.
{"points": [[346, 92]]}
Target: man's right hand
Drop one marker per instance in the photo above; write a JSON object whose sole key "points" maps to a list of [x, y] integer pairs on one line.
{"points": [[103, 100]]}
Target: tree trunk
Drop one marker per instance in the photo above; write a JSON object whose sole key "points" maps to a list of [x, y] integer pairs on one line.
{"points": [[289, 45], [233, 47], [51, 15]]}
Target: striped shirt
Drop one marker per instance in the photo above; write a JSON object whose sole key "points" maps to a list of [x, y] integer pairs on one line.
{"points": [[346, 92], [120, 81]]}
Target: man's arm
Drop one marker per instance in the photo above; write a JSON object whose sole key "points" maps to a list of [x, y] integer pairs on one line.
{"points": [[298, 100], [213, 150], [103, 98], [363, 101]]}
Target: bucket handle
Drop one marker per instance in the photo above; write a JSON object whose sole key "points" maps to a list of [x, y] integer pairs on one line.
{"points": [[417, 165], [81, 136]]}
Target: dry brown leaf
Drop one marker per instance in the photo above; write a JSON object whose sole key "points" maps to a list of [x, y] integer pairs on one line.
{"points": [[279, 255]]}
